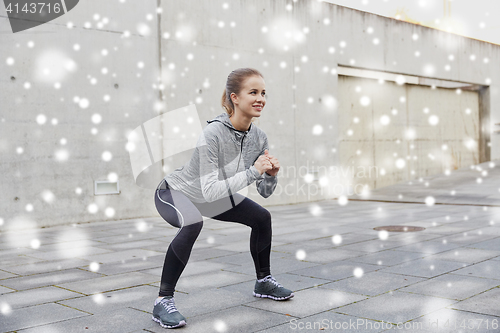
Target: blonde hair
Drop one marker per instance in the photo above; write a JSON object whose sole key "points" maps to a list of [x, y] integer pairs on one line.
{"points": [[234, 84]]}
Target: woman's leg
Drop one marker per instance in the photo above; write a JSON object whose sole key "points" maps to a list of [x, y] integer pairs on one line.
{"points": [[249, 213], [179, 211], [238, 208]]}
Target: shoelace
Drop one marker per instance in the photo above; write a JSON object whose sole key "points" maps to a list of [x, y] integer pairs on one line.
{"points": [[273, 280], [169, 305]]}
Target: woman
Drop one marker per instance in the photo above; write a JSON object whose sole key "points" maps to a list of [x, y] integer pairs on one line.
{"points": [[231, 154]]}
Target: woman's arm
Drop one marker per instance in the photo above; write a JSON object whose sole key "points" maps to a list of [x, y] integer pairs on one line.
{"points": [[212, 188], [266, 183]]}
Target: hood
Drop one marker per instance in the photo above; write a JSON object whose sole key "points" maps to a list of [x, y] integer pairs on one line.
{"points": [[224, 118]]}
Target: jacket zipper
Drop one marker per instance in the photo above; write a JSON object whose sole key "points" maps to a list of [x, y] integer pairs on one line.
{"points": [[241, 153]]}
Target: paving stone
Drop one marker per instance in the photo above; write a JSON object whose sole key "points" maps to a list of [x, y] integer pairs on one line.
{"points": [[144, 244], [61, 245], [291, 228], [295, 237], [424, 267], [200, 245], [120, 255], [10, 251], [199, 302], [350, 238], [223, 227], [489, 269], [292, 248], [70, 234], [319, 243], [450, 228], [407, 238], [240, 246], [452, 286], [427, 224], [491, 230], [395, 307], [4, 290], [48, 279], [217, 279], [335, 271], [131, 265], [373, 283], [161, 246], [239, 319], [314, 232], [21, 242], [329, 321], [307, 302], [7, 261], [6, 275], [480, 222], [46, 266], [36, 316], [197, 255], [372, 246], [278, 266], [141, 297], [37, 296], [126, 237], [331, 255], [242, 258], [218, 238], [121, 320], [467, 238], [487, 303], [492, 245], [109, 283], [220, 276], [193, 268], [452, 321], [464, 254], [388, 257], [289, 281], [429, 247]]}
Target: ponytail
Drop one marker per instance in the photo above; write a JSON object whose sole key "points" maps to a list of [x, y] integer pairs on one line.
{"points": [[227, 104]]}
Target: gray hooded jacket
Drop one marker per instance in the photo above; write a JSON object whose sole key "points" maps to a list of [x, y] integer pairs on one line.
{"points": [[222, 163]]}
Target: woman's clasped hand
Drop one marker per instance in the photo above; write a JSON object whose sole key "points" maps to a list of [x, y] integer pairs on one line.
{"points": [[267, 163]]}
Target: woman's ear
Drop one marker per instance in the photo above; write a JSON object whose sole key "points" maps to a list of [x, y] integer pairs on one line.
{"points": [[235, 99]]}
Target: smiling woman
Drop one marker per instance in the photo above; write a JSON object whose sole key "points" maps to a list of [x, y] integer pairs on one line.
{"points": [[231, 154], [244, 97]]}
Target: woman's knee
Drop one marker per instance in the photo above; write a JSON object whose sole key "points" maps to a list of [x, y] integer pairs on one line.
{"points": [[189, 233], [264, 218], [195, 227]]}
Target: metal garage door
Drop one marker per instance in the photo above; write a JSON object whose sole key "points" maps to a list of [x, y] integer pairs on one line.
{"points": [[404, 131]]}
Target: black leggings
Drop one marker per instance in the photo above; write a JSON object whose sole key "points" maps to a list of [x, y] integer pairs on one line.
{"points": [[179, 211]]}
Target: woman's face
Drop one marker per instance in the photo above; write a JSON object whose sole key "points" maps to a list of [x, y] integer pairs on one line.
{"points": [[252, 97]]}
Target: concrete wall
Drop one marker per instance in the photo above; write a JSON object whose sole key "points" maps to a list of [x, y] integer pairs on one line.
{"points": [[194, 62], [300, 86], [24, 177], [393, 137]]}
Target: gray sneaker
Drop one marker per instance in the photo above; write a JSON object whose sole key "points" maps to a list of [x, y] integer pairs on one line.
{"points": [[270, 288], [166, 314]]}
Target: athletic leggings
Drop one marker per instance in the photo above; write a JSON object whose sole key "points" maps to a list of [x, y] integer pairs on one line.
{"points": [[175, 208]]}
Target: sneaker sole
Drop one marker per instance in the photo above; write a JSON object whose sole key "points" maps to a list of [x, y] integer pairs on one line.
{"points": [[273, 297], [181, 323]]}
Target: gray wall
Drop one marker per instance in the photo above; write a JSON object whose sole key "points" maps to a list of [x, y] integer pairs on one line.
{"points": [[394, 128], [288, 118]]}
